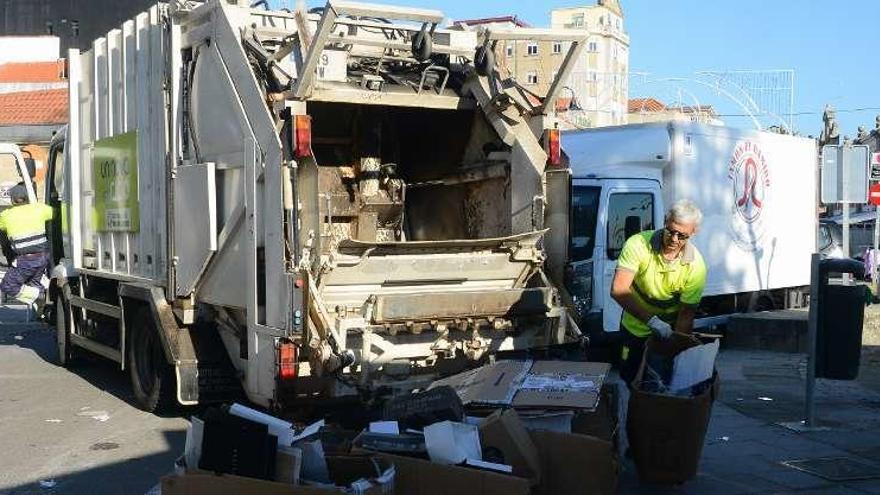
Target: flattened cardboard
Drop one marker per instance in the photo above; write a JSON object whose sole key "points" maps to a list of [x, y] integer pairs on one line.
{"points": [[666, 433], [575, 464], [421, 477], [227, 484], [504, 433], [531, 384], [565, 384], [344, 469], [490, 384]]}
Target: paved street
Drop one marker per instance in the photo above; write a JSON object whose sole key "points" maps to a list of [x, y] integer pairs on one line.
{"points": [[74, 432]]}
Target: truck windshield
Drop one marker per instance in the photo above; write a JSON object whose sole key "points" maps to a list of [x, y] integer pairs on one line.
{"points": [[584, 212]]}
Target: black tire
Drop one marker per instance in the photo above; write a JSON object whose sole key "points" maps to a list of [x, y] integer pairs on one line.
{"points": [[152, 378], [66, 352]]}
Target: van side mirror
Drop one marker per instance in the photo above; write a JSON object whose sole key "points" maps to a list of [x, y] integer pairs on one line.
{"points": [[31, 165], [632, 225]]}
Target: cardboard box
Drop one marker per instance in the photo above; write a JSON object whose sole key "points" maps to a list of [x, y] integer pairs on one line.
{"points": [[531, 384], [575, 464], [421, 477], [503, 435], [603, 422], [666, 433], [351, 474]]}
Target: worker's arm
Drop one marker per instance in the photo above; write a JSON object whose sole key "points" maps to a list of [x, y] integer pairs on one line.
{"points": [[685, 321], [621, 291]]}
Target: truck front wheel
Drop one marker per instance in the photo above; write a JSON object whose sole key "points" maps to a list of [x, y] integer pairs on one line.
{"points": [[152, 379], [63, 328]]}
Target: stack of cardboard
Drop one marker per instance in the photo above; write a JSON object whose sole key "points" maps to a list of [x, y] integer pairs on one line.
{"points": [[241, 450], [519, 435], [510, 428]]}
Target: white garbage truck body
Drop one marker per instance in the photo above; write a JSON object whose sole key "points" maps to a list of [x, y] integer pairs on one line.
{"points": [[757, 191], [340, 201]]}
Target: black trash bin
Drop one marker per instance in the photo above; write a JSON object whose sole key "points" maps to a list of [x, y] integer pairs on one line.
{"points": [[841, 316]]}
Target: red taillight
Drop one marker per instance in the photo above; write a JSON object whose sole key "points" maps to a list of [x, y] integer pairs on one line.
{"points": [[287, 368], [554, 149], [302, 136]]}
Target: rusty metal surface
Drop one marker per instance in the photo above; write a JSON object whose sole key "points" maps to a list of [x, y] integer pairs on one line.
{"points": [[508, 303]]}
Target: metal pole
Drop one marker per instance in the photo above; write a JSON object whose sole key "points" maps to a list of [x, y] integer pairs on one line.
{"points": [[812, 332], [876, 272], [844, 179]]}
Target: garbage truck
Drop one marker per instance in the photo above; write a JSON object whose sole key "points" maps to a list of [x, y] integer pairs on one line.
{"points": [[757, 191], [301, 205]]}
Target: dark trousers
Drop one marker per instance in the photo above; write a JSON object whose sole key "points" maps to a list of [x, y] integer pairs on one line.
{"points": [[28, 271], [632, 349]]}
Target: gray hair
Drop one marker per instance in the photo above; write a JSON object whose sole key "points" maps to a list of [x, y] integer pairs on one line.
{"points": [[684, 211]]}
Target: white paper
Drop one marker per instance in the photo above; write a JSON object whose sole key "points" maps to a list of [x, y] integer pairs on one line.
{"points": [[192, 450], [308, 431], [693, 366], [451, 443], [574, 383], [278, 427], [389, 427], [494, 466]]}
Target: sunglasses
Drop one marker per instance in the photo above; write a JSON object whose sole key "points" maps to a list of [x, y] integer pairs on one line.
{"points": [[674, 234]]}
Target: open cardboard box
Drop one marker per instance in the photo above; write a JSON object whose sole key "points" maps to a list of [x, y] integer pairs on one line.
{"points": [[666, 433], [357, 474]]}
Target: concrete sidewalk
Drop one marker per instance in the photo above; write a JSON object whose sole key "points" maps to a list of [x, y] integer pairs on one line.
{"points": [[745, 446]]}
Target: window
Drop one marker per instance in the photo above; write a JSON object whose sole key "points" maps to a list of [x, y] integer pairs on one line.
{"points": [[553, 75], [557, 47], [592, 47], [628, 214], [509, 50], [618, 24], [594, 76], [532, 77], [577, 20], [584, 212], [532, 49]]}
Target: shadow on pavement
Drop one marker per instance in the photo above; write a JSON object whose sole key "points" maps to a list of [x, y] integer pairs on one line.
{"points": [[127, 477]]}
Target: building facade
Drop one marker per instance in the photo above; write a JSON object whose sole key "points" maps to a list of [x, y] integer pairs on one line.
{"points": [[596, 93], [599, 83], [75, 22]]}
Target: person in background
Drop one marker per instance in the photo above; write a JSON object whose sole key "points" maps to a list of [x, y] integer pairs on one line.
{"points": [[659, 283], [24, 225]]}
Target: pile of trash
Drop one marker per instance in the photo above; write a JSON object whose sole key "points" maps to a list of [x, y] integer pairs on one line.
{"points": [[511, 427]]}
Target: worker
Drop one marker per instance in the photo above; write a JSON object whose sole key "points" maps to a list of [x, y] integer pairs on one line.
{"points": [[25, 227], [659, 282]]}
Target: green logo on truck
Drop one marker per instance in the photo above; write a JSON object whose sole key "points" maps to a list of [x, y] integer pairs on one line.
{"points": [[114, 174]]}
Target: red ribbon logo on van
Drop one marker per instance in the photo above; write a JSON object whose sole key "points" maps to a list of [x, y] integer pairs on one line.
{"points": [[750, 178]]}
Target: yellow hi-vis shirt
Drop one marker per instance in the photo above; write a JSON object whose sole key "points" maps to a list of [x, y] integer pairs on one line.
{"points": [[660, 286], [25, 225]]}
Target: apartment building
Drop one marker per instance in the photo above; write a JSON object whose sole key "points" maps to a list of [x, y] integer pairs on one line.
{"points": [[597, 91]]}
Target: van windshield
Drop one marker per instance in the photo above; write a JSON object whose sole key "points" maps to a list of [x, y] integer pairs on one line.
{"points": [[584, 213]]}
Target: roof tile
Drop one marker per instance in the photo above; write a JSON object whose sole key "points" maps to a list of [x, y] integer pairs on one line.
{"points": [[32, 72], [47, 106]]}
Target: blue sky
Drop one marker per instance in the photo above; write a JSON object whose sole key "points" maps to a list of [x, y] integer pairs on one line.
{"points": [[831, 46]]}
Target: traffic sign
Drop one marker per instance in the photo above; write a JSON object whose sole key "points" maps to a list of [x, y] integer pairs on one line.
{"points": [[874, 194], [875, 166], [845, 173]]}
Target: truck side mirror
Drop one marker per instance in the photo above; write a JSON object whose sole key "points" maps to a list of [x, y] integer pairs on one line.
{"points": [[31, 165], [632, 225]]}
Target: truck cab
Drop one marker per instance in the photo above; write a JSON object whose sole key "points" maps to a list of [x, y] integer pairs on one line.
{"points": [[756, 190], [16, 167], [605, 212]]}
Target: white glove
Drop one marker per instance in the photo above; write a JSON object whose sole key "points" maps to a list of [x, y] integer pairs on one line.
{"points": [[660, 327]]}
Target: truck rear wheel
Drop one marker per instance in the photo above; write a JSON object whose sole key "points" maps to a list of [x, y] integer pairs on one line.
{"points": [[152, 378], [63, 328]]}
